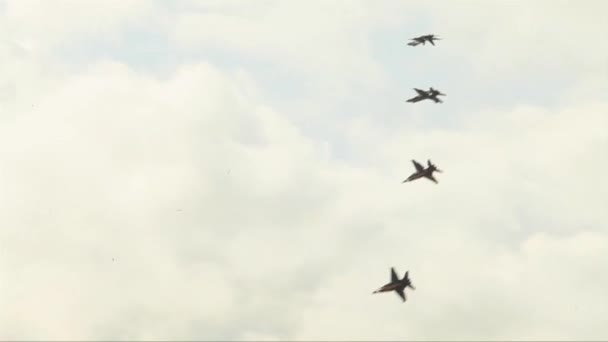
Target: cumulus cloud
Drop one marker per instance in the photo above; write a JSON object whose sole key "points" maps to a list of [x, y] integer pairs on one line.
{"points": [[196, 205], [501, 249]]}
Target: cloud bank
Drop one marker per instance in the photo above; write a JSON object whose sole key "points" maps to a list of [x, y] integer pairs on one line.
{"points": [[212, 170]]}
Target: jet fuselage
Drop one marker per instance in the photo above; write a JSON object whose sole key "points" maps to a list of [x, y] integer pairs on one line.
{"points": [[391, 287], [423, 39], [423, 173], [431, 94], [397, 285]]}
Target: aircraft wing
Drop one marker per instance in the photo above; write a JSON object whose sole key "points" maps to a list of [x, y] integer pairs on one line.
{"points": [[417, 165], [429, 176], [394, 277], [401, 293], [431, 41], [421, 92]]}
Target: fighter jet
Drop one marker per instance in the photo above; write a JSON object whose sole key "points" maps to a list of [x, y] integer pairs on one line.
{"points": [[422, 172], [431, 94], [397, 285], [423, 39]]}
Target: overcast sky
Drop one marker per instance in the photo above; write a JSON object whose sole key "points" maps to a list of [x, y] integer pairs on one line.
{"points": [[231, 169]]}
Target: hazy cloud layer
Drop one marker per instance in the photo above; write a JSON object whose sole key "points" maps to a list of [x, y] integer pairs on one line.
{"points": [[231, 170]]}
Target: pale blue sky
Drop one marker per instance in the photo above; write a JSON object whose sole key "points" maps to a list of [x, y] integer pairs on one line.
{"points": [[149, 49]]}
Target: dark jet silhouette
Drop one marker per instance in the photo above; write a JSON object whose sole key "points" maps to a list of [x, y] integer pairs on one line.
{"points": [[423, 39], [431, 94], [397, 285], [422, 172]]}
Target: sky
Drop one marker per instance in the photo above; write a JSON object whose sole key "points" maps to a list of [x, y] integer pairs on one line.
{"points": [[231, 170]]}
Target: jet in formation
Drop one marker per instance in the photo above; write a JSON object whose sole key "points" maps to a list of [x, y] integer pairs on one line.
{"points": [[397, 285], [422, 172], [431, 94], [423, 39]]}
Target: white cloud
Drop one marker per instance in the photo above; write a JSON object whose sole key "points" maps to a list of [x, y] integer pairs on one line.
{"points": [[498, 250], [195, 207], [113, 164]]}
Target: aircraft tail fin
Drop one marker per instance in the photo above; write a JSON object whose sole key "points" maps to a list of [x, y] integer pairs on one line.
{"points": [[406, 278], [430, 164]]}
